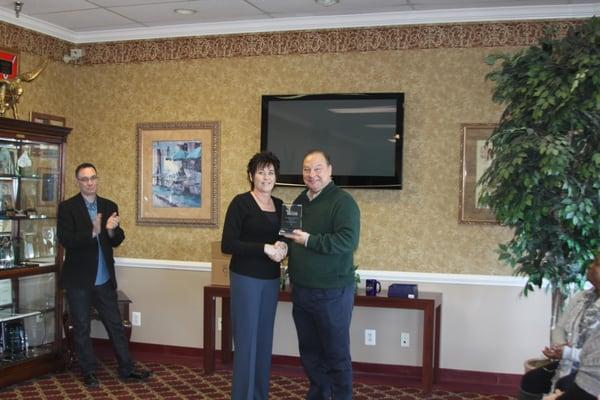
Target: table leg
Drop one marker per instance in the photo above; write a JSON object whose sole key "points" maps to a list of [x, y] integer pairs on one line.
{"points": [[209, 332], [127, 322], [438, 327], [427, 368], [226, 344]]}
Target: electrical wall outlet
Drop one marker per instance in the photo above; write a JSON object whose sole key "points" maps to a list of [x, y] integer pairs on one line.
{"points": [[404, 339], [136, 318], [370, 337]]}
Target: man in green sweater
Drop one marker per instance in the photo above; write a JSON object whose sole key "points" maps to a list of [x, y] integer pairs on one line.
{"points": [[321, 270]]}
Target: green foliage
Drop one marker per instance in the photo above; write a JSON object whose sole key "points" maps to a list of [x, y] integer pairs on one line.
{"points": [[356, 278], [544, 179]]}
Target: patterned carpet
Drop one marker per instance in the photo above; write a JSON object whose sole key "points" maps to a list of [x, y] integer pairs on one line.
{"points": [[181, 382]]}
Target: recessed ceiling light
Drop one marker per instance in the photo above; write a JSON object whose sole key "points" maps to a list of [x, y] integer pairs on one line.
{"points": [[184, 11], [327, 3]]}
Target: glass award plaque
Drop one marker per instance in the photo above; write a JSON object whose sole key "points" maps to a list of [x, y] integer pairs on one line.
{"points": [[291, 218]]}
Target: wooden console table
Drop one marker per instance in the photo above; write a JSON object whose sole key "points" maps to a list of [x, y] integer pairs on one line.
{"points": [[428, 302]]}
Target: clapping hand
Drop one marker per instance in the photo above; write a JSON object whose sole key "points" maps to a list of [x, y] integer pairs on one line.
{"points": [[113, 221], [554, 352], [277, 251]]}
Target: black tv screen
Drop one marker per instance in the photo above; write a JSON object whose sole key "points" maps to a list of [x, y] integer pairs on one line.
{"points": [[362, 133]]}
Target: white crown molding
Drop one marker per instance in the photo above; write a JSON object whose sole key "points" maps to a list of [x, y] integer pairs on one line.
{"points": [[459, 15], [38, 25], [387, 276]]}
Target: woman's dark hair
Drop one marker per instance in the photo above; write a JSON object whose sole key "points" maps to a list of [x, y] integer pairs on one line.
{"points": [[261, 160]]}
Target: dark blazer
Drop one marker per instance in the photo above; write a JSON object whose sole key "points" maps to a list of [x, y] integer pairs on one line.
{"points": [[74, 231]]}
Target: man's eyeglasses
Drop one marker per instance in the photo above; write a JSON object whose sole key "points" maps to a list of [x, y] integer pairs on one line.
{"points": [[88, 179]]}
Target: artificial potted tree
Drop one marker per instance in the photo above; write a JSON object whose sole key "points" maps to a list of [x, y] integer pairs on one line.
{"points": [[544, 178]]}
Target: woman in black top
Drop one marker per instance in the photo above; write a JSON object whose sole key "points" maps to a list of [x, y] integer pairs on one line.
{"points": [[251, 236]]}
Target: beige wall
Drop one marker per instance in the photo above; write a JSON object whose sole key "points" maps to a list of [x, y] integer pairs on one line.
{"points": [[414, 229]]}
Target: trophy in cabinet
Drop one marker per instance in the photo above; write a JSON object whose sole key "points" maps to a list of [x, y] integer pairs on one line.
{"points": [[6, 251], [7, 204], [7, 161]]}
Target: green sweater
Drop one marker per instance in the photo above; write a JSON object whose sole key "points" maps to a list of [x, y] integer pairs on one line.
{"points": [[333, 221]]}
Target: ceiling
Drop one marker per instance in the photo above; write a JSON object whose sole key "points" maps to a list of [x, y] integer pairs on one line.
{"points": [[81, 21]]}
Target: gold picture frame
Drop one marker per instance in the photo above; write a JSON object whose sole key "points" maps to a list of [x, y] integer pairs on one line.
{"points": [[47, 119], [474, 160], [177, 173]]}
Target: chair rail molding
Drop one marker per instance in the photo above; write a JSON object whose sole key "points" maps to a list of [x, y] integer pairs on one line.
{"points": [[391, 276]]}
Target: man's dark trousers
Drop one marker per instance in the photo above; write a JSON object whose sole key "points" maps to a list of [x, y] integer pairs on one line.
{"points": [[322, 318], [104, 299]]}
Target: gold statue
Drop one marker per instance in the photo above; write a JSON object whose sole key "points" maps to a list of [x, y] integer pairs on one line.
{"points": [[11, 90]]}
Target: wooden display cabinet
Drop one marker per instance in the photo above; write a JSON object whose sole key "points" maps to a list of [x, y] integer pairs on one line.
{"points": [[31, 301]]}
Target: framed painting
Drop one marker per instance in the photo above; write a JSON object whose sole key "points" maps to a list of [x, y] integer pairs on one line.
{"points": [[9, 63], [48, 119], [177, 173], [475, 158]]}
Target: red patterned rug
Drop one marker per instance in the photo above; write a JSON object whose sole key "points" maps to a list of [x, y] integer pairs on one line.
{"points": [[182, 382]]}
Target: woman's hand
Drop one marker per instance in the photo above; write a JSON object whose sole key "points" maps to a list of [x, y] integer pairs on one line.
{"points": [[275, 252], [553, 396], [283, 248]]}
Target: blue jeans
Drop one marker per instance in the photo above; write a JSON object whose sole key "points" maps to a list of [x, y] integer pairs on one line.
{"points": [[253, 306], [322, 318], [104, 299]]}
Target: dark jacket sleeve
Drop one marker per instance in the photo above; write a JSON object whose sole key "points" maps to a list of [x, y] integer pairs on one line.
{"points": [[118, 233], [72, 231]]}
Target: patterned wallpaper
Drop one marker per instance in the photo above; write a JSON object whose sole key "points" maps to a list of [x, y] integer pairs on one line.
{"points": [[439, 68]]}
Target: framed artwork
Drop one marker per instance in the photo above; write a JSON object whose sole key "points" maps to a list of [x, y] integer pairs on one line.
{"points": [[47, 119], [9, 63], [177, 173], [475, 158]]}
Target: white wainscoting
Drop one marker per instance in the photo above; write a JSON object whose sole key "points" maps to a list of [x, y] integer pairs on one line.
{"points": [[487, 325]]}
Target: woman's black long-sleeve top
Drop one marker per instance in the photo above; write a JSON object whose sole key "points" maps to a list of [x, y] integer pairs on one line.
{"points": [[246, 230]]}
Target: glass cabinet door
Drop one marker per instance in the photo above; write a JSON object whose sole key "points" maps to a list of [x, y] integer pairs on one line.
{"points": [[27, 317], [29, 194]]}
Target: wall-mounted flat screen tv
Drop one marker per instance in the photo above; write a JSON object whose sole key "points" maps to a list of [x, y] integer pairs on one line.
{"points": [[362, 133]]}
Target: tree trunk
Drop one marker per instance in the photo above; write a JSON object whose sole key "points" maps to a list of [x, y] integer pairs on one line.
{"points": [[558, 302]]}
